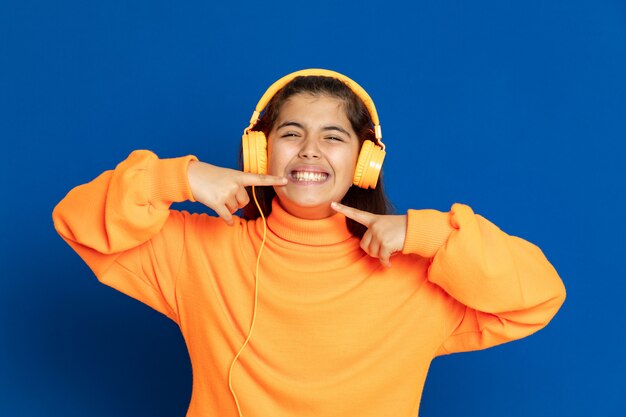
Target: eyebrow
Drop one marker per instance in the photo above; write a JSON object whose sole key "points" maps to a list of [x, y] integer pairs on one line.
{"points": [[329, 127], [290, 124]]}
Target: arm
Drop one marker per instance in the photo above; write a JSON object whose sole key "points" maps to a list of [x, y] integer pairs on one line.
{"points": [[504, 288], [500, 287], [121, 226]]}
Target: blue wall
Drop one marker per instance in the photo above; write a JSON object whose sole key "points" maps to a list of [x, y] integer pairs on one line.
{"points": [[518, 110]]}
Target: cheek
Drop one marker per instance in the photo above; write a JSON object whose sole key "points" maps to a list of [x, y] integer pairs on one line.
{"points": [[277, 159], [353, 157], [271, 158], [348, 166], [273, 166]]}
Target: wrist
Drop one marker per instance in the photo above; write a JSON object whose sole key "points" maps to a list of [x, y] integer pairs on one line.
{"points": [[427, 231], [170, 181]]}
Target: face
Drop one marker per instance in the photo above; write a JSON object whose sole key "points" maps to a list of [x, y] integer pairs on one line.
{"points": [[313, 144]]}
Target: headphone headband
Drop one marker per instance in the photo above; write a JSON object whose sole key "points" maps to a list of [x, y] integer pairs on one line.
{"points": [[356, 88]]}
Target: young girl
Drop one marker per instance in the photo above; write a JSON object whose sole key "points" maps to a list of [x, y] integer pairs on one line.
{"points": [[326, 309]]}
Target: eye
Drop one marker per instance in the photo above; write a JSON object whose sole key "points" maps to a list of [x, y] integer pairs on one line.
{"points": [[335, 138], [289, 134]]}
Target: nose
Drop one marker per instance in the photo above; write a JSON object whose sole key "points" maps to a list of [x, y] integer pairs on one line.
{"points": [[309, 149]]}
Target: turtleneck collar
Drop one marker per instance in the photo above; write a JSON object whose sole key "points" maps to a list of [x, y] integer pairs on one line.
{"points": [[328, 231]]}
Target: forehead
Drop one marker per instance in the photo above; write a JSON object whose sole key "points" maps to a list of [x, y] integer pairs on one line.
{"points": [[321, 108]]}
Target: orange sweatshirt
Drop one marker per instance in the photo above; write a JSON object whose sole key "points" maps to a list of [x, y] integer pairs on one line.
{"points": [[336, 333]]}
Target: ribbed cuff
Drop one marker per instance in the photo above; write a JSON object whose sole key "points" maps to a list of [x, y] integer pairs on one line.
{"points": [[426, 231], [170, 181]]}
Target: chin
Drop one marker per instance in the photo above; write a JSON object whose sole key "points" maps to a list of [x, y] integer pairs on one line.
{"points": [[311, 203], [307, 208]]}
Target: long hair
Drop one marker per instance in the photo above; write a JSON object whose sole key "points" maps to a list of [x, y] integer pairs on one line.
{"points": [[371, 200]]}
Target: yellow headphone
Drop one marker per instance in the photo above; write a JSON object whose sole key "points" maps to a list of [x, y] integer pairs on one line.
{"points": [[370, 159]]}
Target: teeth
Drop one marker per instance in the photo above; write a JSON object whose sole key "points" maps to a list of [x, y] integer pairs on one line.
{"points": [[309, 176]]}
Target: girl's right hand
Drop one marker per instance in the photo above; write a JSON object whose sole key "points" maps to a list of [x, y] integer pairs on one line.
{"points": [[223, 189]]}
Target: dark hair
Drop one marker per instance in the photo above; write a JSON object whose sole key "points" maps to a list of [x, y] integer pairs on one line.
{"points": [[371, 200]]}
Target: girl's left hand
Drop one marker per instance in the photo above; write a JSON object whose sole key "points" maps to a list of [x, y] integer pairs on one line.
{"points": [[385, 233]]}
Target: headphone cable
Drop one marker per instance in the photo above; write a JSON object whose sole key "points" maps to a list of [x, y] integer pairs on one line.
{"points": [[256, 292]]}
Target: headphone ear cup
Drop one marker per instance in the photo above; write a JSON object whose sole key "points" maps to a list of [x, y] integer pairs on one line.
{"points": [[254, 146], [368, 165]]}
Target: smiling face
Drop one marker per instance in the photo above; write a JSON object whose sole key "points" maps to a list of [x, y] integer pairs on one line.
{"points": [[313, 144]]}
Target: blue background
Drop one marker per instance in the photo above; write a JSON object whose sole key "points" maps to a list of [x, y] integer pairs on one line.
{"points": [[516, 109]]}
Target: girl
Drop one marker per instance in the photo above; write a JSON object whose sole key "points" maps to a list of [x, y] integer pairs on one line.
{"points": [[309, 314]]}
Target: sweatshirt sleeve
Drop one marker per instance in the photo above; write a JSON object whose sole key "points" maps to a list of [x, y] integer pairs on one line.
{"points": [[502, 287], [121, 226]]}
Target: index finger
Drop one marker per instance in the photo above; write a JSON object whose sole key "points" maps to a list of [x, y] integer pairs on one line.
{"points": [[360, 216], [262, 180]]}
